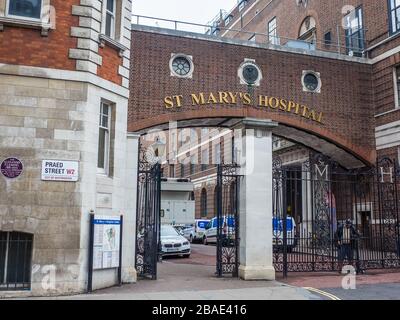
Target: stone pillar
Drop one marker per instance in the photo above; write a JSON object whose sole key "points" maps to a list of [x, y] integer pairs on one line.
{"points": [[255, 151], [129, 230]]}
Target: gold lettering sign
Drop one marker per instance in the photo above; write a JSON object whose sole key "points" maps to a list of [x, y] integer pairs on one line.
{"points": [[235, 98]]}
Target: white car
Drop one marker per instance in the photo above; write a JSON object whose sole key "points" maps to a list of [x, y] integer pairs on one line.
{"points": [[200, 229], [228, 230], [172, 243], [187, 231]]}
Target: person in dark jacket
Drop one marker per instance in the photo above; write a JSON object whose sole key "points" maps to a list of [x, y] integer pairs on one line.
{"points": [[346, 237]]}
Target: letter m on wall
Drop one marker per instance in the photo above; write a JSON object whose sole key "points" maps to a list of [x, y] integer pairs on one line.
{"points": [[322, 172]]}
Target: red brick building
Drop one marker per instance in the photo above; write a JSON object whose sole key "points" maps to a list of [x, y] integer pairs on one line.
{"points": [[352, 47], [368, 28]]}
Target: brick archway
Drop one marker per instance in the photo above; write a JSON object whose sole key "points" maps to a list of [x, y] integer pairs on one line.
{"points": [[338, 121], [314, 136]]}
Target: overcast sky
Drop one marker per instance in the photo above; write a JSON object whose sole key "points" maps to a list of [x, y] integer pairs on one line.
{"points": [[197, 11]]}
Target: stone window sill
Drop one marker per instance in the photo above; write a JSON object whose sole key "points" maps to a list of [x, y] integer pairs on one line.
{"points": [[112, 43], [387, 112], [25, 23]]}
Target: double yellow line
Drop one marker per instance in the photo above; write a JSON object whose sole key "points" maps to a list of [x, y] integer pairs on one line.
{"points": [[323, 293]]}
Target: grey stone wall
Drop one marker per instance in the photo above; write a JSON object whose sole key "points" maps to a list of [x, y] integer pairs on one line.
{"points": [[34, 115], [55, 119]]}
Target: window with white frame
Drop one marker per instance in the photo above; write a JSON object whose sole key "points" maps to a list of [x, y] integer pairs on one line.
{"points": [[110, 18], [397, 86], [398, 156], [394, 13], [217, 154], [273, 32], [228, 19], [204, 159], [193, 162], [193, 136], [242, 4], [355, 32], [30, 9], [103, 159]]}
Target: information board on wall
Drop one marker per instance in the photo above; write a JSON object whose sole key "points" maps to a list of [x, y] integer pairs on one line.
{"points": [[106, 242]]}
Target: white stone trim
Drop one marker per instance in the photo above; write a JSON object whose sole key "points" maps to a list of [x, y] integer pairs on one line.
{"points": [[395, 87], [47, 73], [386, 112], [385, 55], [25, 23], [112, 43], [83, 65], [82, 54], [84, 11], [388, 135], [90, 34], [188, 58], [245, 63], [42, 23], [317, 75]]}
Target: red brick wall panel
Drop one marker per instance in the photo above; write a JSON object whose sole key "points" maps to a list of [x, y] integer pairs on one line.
{"points": [[111, 62], [346, 98], [23, 46]]}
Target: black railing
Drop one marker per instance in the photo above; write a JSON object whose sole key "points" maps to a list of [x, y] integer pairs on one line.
{"points": [[317, 199], [228, 237], [148, 216]]}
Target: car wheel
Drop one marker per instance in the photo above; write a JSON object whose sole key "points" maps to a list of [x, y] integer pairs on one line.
{"points": [[191, 239], [205, 242]]}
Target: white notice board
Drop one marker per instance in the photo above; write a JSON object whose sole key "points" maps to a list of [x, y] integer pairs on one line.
{"points": [[106, 242]]}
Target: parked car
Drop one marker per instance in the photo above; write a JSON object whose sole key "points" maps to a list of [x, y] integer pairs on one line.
{"points": [[200, 229], [277, 238], [186, 230], [228, 230], [172, 243]]}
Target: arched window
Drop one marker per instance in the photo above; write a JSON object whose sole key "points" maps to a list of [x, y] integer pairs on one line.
{"points": [[308, 30], [15, 260], [215, 201], [203, 203]]}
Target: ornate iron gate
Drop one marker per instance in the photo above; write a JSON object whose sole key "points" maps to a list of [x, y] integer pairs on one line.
{"points": [[228, 237], [317, 198], [148, 217]]}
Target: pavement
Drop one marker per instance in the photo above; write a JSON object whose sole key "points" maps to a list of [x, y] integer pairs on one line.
{"points": [[372, 285], [194, 279]]}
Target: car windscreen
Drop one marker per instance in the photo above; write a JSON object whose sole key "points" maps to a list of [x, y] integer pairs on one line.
{"points": [[168, 231], [202, 224]]}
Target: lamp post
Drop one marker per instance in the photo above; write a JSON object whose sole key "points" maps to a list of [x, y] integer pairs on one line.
{"points": [[158, 149]]}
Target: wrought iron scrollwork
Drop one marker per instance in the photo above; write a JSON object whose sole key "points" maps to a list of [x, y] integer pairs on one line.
{"points": [[330, 195], [228, 237], [148, 215]]}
